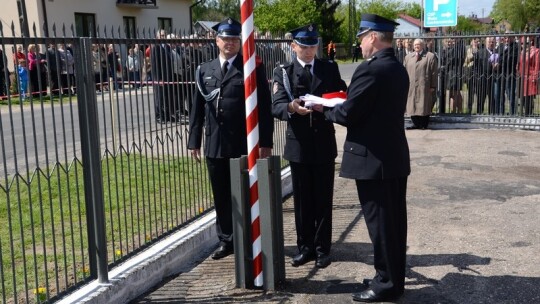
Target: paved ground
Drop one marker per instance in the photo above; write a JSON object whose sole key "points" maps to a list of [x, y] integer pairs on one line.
{"points": [[474, 231]]}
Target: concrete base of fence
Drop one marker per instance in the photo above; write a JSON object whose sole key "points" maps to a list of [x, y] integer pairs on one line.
{"points": [[177, 253], [482, 122]]}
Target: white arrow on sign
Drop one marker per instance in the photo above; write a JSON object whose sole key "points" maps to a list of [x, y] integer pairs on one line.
{"points": [[447, 14]]}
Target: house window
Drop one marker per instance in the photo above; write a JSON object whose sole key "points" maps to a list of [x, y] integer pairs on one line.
{"points": [[165, 24], [85, 25], [129, 27]]}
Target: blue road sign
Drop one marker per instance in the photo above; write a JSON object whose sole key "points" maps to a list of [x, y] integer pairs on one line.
{"points": [[440, 13]]}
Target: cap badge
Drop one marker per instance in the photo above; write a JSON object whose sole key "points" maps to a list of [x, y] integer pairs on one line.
{"points": [[310, 28], [230, 21]]}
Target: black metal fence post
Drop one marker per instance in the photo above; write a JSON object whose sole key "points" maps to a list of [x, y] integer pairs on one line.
{"points": [[90, 145]]}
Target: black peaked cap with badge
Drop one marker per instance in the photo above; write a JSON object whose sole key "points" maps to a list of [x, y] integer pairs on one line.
{"points": [[372, 22], [228, 28], [306, 35]]}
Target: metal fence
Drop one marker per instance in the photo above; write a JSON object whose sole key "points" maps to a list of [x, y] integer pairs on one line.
{"points": [[92, 169], [485, 74], [93, 130]]}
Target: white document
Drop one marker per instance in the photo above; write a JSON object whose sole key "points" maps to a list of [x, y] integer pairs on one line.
{"points": [[311, 100]]}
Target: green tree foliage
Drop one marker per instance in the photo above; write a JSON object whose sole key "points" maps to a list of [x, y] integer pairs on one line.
{"points": [[413, 10], [467, 25], [386, 8], [518, 12], [329, 23], [216, 10], [280, 16], [342, 34]]}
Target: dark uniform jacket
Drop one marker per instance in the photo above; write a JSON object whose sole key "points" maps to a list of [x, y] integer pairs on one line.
{"points": [[307, 142], [224, 117], [375, 146]]}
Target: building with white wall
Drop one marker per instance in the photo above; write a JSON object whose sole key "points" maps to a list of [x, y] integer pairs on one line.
{"points": [[87, 16]]}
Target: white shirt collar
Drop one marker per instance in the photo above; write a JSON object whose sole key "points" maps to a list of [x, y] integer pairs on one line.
{"points": [[303, 64], [222, 60]]}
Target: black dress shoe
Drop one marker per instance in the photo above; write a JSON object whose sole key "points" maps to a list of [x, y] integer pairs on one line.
{"points": [[367, 296], [303, 257], [323, 260], [222, 252], [367, 282]]}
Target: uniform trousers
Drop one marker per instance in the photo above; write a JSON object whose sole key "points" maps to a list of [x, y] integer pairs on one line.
{"points": [[384, 207], [313, 189], [220, 179]]}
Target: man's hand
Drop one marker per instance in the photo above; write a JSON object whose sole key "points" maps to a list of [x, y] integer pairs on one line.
{"points": [[196, 154], [295, 105]]}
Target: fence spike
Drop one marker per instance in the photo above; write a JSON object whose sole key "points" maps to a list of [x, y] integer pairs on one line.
{"points": [[144, 32], [63, 30], [45, 30], [54, 29], [34, 29], [72, 30], [12, 29]]}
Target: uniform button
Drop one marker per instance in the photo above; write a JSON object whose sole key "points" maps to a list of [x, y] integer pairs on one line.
{"points": [[221, 110], [221, 123], [350, 149]]}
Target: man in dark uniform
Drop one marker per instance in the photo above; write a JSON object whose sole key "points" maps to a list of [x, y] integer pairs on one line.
{"points": [[376, 153], [310, 145], [219, 106]]}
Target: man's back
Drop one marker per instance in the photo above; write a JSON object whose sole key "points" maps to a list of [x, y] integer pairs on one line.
{"points": [[376, 146]]}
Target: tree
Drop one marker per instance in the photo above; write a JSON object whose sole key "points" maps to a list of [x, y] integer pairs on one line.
{"points": [[280, 16], [413, 10], [385, 8], [516, 12], [329, 24], [217, 10], [467, 25]]}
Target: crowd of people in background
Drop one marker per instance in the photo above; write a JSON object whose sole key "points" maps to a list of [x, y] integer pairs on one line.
{"points": [[500, 72], [495, 75], [37, 73]]}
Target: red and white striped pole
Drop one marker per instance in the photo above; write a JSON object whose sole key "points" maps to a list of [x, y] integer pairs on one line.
{"points": [[252, 124]]}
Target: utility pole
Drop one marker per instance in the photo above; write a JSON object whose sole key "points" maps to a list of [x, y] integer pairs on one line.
{"points": [[352, 24], [23, 18]]}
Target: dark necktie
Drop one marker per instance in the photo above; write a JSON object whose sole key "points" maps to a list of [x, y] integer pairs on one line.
{"points": [[418, 56], [307, 75], [224, 68]]}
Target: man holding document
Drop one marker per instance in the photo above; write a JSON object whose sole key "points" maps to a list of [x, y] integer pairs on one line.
{"points": [[376, 154], [310, 145]]}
